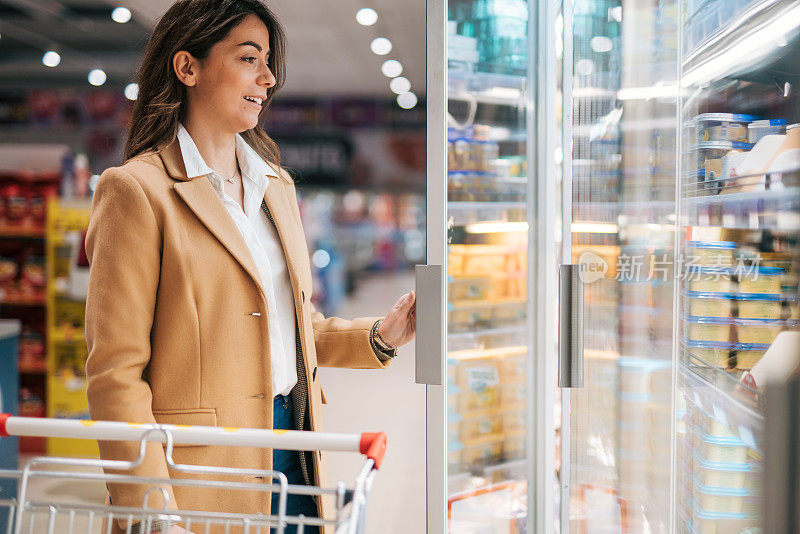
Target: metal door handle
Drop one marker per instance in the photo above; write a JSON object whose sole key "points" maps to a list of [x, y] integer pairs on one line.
{"points": [[429, 345], [570, 326]]}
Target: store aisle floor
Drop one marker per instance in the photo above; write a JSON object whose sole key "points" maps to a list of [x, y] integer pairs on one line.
{"points": [[389, 401]]}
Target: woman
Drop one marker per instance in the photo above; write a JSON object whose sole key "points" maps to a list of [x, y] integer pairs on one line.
{"points": [[199, 308]]}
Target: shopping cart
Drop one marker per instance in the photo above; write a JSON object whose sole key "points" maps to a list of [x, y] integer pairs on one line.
{"points": [[25, 513]]}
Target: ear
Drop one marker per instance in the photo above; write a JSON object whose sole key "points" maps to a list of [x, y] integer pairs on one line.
{"points": [[186, 67]]}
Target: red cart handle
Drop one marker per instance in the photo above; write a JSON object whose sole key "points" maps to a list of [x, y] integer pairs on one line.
{"points": [[373, 446]]}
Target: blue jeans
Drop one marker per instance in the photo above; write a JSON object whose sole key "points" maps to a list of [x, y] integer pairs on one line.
{"points": [[288, 463]]}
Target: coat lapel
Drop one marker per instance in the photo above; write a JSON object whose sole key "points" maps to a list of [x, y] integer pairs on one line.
{"points": [[201, 198]]}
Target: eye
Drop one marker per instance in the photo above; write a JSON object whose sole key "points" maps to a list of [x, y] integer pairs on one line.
{"points": [[249, 59]]}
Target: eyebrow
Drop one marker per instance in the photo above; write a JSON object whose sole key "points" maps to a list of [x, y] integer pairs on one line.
{"points": [[253, 44]]}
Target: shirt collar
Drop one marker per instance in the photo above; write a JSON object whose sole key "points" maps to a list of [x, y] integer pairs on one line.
{"points": [[251, 164]]}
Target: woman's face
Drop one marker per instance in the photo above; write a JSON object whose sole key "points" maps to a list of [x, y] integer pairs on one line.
{"points": [[230, 84]]}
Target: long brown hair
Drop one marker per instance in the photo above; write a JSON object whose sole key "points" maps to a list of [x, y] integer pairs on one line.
{"points": [[195, 26]]}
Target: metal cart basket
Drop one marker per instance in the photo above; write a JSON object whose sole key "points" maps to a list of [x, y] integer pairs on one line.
{"points": [[22, 513]]}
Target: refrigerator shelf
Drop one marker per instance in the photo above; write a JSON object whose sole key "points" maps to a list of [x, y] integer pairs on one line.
{"points": [[718, 25], [469, 212], [486, 88], [728, 401], [509, 330]]}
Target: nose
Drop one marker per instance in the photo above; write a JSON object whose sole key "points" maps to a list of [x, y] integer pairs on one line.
{"points": [[266, 77]]}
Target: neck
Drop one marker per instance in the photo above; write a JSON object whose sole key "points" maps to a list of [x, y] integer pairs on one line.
{"points": [[217, 147]]}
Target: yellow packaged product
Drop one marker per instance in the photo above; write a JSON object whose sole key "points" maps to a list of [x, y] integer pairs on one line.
{"points": [[706, 329], [763, 331], [475, 427], [478, 382], [760, 280], [468, 288], [748, 358], [482, 450], [513, 421], [718, 306], [512, 366], [710, 281], [754, 308], [717, 357], [512, 395], [710, 253]]}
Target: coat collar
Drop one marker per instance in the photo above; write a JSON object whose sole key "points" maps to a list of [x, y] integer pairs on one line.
{"points": [[200, 196]]}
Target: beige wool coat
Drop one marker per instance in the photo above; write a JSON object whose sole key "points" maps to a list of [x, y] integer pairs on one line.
{"points": [[177, 331]]}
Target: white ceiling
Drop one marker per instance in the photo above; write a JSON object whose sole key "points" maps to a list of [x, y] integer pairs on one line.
{"points": [[328, 51]]}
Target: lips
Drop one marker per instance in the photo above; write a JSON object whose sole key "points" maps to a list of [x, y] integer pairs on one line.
{"points": [[256, 100]]}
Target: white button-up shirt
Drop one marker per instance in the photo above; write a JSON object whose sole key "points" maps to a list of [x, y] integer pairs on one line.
{"points": [[265, 246]]}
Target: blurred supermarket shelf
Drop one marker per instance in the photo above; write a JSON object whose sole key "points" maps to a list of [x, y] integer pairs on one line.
{"points": [[510, 330], [464, 212], [771, 209], [486, 88]]}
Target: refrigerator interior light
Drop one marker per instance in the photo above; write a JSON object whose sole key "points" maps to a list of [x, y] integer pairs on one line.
{"points": [[503, 92], [495, 226], [659, 90], [753, 46], [594, 228]]}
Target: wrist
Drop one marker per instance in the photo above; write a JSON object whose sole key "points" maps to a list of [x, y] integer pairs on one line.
{"points": [[380, 339]]}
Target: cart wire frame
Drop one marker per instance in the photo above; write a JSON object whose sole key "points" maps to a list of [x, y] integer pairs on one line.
{"points": [[350, 503]]}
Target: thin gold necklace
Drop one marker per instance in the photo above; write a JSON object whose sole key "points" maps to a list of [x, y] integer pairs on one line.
{"points": [[235, 172]]}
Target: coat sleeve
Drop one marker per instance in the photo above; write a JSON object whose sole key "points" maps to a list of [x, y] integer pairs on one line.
{"points": [[339, 342], [345, 343], [123, 245]]}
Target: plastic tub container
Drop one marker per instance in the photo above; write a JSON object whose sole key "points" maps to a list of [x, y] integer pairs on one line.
{"points": [[708, 329], [716, 357], [748, 355], [512, 396], [512, 367], [711, 253], [721, 474], [719, 499], [708, 304], [710, 279], [758, 129], [759, 307], [720, 449], [760, 280], [720, 522], [758, 330], [723, 127]]}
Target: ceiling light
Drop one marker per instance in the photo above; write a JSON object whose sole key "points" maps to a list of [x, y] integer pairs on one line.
{"points": [[381, 46], [121, 15], [366, 16], [407, 100], [391, 68], [51, 58], [131, 91], [97, 77], [400, 85]]}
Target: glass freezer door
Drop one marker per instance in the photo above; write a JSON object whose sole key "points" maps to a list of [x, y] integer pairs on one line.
{"points": [[619, 94], [486, 412]]}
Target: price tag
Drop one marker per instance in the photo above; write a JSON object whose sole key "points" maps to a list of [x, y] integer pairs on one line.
{"points": [[747, 436], [721, 416]]}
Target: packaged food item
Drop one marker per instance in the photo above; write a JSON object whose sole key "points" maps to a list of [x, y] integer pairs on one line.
{"points": [[476, 427], [704, 522], [722, 127], [713, 279], [16, 209], [33, 274], [720, 449], [480, 451], [478, 380], [758, 330], [760, 280], [512, 366], [753, 306], [461, 288], [466, 315], [720, 474], [709, 304], [709, 329], [758, 129], [719, 499], [710, 253], [513, 422], [749, 354], [713, 356], [512, 396]]}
